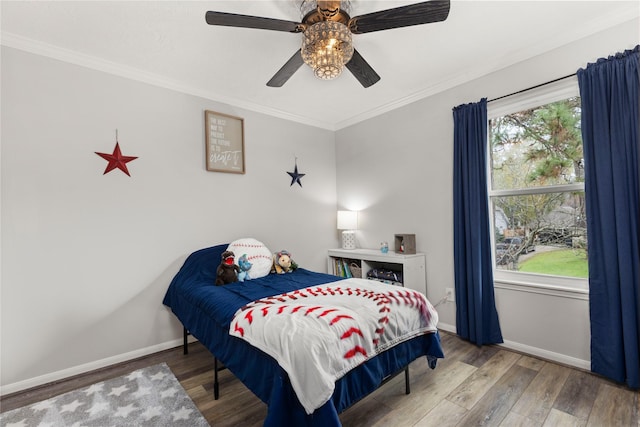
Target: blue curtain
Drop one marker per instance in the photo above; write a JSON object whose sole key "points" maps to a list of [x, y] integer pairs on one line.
{"points": [[476, 314], [610, 97]]}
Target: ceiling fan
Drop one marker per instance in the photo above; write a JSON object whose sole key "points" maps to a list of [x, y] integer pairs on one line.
{"points": [[327, 45]]}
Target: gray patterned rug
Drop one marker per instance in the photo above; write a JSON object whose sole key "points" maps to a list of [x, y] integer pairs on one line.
{"points": [[147, 397]]}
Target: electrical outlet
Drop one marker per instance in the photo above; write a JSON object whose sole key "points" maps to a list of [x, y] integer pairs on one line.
{"points": [[451, 295]]}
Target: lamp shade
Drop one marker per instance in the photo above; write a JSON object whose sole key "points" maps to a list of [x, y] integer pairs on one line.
{"points": [[347, 220]]}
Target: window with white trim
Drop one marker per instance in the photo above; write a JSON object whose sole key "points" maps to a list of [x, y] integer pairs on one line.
{"points": [[536, 187]]}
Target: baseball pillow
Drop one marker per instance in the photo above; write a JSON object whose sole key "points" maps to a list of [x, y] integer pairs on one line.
{"points": [[257, 253]]}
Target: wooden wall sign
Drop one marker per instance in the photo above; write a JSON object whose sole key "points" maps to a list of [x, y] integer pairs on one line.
{"points": [[224, 142]]}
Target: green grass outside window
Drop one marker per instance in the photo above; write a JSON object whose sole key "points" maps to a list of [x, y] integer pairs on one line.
{"points": [[565, 262]]}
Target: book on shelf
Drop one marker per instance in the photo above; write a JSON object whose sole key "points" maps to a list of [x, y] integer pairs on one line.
{"points": [[337, 267], [344, 267]]}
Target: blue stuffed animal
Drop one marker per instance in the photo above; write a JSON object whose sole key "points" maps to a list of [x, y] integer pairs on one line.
{"points": [[245, 266]]}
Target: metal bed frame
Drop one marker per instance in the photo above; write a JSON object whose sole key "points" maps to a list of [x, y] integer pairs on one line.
{"points": [[216, 369]]}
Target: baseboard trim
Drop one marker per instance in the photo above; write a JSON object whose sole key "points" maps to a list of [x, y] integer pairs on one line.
{"points": [[88, 367], [533, 351], [102, 363], [447, 327], [547, 355]]}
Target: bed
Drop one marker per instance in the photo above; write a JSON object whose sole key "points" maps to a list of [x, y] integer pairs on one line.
{"points": [[211, 313]]}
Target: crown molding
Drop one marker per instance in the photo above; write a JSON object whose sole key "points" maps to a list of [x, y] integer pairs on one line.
{"points": [[36, 47], [497, 64], [464, 76]]}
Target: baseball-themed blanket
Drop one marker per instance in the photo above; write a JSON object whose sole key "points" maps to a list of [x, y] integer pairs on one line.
{"points": [[318, 334]]}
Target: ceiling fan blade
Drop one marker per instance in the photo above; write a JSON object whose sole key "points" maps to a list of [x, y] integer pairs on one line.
{"points": [[404, 16], [248, 21], [287, 70], [362, 70]]}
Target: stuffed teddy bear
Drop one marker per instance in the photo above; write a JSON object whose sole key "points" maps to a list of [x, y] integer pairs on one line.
{"points": [[282, 263], [245, 266], [227, 271]]}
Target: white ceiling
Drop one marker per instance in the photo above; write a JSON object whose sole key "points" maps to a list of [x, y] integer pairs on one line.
{"points": [[168, 43]]}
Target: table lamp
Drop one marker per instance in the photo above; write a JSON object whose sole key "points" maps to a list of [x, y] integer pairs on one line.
{"points": [[348, 223]]}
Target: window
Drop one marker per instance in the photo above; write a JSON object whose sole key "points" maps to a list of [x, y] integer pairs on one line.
{"points": [[536, 188]]}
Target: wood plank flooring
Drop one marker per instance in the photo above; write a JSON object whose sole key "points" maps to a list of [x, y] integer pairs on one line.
{"points": [[472, 386]]}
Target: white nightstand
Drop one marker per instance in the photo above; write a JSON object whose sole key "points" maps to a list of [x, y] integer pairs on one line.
{"points": [[412, 266]]}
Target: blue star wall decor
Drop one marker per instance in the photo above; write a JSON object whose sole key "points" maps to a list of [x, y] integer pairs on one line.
{"points": [[295, 175]]}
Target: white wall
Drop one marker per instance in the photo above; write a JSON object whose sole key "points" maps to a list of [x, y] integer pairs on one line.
{"points": [[87, 257], [398, 169]]}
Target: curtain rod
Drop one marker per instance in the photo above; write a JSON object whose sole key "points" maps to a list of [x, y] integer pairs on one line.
{"points": [[533, 87]]}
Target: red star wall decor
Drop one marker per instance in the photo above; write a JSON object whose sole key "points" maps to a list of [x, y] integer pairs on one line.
{"points": [[116, 160]]}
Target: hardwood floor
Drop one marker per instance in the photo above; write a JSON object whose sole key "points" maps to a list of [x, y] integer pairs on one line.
{"points": [[472, 386]]}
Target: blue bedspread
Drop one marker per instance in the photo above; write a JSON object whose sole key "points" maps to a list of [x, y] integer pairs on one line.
{"points": [[206, 311]]}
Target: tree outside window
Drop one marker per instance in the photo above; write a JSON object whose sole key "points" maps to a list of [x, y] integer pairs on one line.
{"points": [[537, 190]]}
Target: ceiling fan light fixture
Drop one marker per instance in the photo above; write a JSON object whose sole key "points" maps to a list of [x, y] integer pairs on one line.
{"points": [[326, 48], [327, 27]]}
